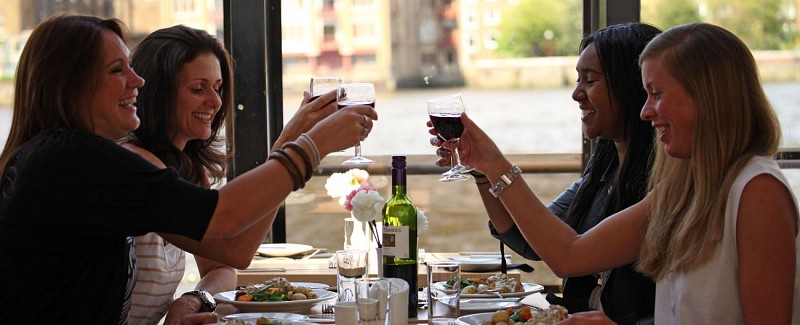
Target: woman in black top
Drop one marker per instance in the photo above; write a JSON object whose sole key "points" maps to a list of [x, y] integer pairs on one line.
{"points": [[72, 198]]}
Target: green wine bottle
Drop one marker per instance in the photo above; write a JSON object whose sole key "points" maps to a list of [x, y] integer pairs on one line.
{"points": [[400, 234]]}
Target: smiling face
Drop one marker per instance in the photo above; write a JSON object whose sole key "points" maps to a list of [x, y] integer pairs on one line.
{"points": [[670, 108], [111, 112], [197, 99], [601, 115]]}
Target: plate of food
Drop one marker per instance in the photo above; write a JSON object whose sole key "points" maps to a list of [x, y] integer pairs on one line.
{"points": [[480, 263], [492, 286], [487, 304], [253, 317], [275, 295], [552, 315], [282, 249]]}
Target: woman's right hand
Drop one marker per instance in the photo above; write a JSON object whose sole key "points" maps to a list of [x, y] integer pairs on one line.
{"points": [[343, 129], [476, 149], [308, 115]]}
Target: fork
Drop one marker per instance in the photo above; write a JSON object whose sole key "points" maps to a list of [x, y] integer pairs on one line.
{"points": [[327, 309]]}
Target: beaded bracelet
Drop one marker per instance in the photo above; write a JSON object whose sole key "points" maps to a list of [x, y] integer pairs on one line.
{"points": [[304, 155], [310, 143], [280, 155]]}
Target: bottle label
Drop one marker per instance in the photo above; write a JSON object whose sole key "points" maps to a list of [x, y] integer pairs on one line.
{"points": [[396, 241]]}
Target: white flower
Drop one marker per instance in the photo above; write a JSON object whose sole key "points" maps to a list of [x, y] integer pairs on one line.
{"points": [[339, 185], [422, 221], [367, 205]]}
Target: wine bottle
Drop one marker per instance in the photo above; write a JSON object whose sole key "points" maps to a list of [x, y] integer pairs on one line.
{"points": [[400, 234]]}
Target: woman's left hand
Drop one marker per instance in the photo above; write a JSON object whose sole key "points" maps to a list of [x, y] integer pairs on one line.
{"points": [[200, 318], [182, 308]]}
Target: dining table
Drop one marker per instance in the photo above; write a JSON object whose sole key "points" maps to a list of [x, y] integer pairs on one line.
{"points": [[321, 269]]}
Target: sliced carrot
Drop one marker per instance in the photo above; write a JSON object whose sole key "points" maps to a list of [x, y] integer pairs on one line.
{"points": [[245, 297]]}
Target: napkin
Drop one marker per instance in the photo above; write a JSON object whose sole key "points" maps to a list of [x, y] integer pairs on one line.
{"points": [[399, 302], [536, 300]]}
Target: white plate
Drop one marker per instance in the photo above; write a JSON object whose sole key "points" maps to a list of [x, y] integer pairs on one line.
{"points": [[527, 289], [252, 317], [228, 297], [479, 305], [475, 319], [486, 263], [282, 250], [310, 285]]}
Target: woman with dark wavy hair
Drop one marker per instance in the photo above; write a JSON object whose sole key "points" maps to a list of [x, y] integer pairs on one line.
{"points": [[183, 108], [609, 93]]}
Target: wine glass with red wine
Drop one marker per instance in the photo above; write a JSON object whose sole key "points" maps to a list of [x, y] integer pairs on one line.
{"points": [[321, 85], [445, 113], [351, 94]]}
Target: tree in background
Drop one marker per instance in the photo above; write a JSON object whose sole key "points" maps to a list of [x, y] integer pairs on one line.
{"points": [[668, 13], [762, 24], [526, 27]]}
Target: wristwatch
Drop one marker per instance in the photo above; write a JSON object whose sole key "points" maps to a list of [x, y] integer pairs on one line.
{"points": [[209, 304]]}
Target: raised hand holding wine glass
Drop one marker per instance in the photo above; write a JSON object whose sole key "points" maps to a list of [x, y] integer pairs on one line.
{"points": [[352, 94], [320, 85], [445, 114]]}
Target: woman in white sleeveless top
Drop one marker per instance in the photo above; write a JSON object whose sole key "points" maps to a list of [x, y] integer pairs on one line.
{"points": [[718, 230]]}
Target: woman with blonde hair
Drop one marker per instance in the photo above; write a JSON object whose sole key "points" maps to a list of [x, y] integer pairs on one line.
{"points": [[720, 222]]}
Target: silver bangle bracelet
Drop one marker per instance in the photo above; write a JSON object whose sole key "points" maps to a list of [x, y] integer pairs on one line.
{"points": [[314, 151], [504, 181]]}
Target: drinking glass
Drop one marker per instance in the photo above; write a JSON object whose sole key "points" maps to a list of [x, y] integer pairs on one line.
{"points": [[443, 302], [321, 85], [351, 94], [373, 301], [445, 114], [351, 265]]}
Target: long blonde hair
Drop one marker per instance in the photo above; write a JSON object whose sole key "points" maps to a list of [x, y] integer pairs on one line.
{"points": [[734, 123]]}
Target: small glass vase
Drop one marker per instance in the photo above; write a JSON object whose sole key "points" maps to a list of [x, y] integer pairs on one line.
{"points": [[358, 235]]}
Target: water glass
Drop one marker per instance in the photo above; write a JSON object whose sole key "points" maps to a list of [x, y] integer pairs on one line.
{"points": [[351, 265], [373, 301], [443, 301]]}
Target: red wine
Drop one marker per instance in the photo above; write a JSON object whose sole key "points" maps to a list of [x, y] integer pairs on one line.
{"points": [[448, 126], [346, 103]]}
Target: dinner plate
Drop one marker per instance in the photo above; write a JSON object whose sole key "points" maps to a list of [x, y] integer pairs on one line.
{"points": [[290, 306], [252, 317], [475, 319], [282, 249], [310, 285], [477, 263], [527, 289], [479, 305]]}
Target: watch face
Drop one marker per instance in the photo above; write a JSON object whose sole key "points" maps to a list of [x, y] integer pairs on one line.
{"points": [[209, 298]]}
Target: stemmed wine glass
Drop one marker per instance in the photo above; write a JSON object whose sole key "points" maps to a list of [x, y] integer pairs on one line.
{"points": [[321, 85], [445, 113], [351, 94]]}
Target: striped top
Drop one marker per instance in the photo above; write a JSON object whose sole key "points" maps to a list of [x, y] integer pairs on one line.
{"points": [[160, 270]]}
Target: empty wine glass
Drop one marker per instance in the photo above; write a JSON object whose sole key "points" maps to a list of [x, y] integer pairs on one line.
{"points": [[321, 85], [351, 94], [445, 114]]}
